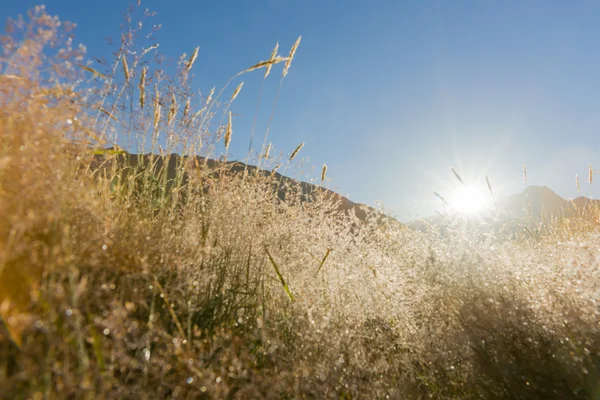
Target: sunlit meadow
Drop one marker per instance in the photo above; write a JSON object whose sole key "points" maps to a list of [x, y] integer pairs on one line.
{"points": [[169, 276]]}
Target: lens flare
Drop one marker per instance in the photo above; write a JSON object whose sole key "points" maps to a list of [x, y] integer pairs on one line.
{"points": [[468, 199]]}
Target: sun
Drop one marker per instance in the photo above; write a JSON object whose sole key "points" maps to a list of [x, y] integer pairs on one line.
{"points": [[468, 199]]}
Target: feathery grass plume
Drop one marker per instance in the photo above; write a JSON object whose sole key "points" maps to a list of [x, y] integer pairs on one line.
{"points": [[236, 91], [295, 152], [210, 95], [186, 109], [156, 107], [275, 168], [267, 63], [288, 64], [192, 59], [267, 151], [125, 67], [323, 172], [525, 173], [142, 87], [577, 183], [590, 174], [172, 110], [457, 176], [273, 56], [228, 132]]}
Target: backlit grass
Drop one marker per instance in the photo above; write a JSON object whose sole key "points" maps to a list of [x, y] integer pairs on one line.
{"points": [[167, 277]]}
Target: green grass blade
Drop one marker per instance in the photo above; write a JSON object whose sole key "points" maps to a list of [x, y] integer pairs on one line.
{"points": [[323, 261], [285, 286]]}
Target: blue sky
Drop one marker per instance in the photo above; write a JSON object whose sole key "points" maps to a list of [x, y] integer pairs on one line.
{"points": [[390, 94]]}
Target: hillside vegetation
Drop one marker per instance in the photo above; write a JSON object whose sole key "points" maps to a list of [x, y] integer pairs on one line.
{"points": [[121, 280]]}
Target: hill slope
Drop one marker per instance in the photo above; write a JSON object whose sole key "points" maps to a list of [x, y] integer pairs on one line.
{"points": [[282, 184], [540, 201]]}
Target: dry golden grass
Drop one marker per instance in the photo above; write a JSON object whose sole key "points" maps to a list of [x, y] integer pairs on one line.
{"points": [[157, 108], [161, 277], [236, 92], [142, 87], [290, 57], [272, 59], [125, 68], [192, 60], [296, 151], [228, 131], [267, 151]]}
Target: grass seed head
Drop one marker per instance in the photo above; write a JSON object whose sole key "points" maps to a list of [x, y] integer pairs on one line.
{"points": [[273, 56], [192, 59], [93, 71], [439, 196], [172, 109], [156, 107], [457, 176], [236, 91], [142, 87], [590, 174], [125, 68], [296, 151], [577, 183], [291, 56], [266, 63], [323, 172], [108, 114], [489, 185], [228, 132], [186, 109], [210, 95]]}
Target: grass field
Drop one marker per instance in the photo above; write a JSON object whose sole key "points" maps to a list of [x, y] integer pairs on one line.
{"points": [[119, 281]]}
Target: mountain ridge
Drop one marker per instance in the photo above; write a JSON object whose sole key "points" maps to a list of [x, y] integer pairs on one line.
{"points": [[170, 163], [541, 201], [531, 206], [535, 202]]}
